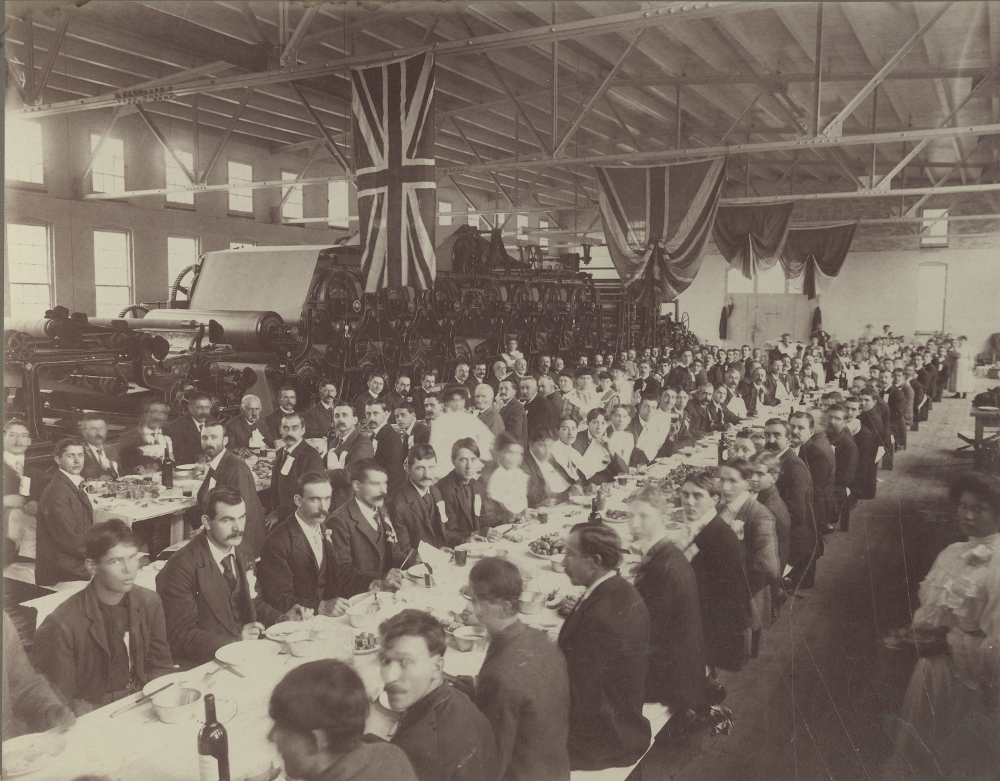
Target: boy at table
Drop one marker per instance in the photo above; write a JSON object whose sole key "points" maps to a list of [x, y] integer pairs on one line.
{"points": [[65, 515], [462, 493], [110, 639], [206, 597], [442, 732]]}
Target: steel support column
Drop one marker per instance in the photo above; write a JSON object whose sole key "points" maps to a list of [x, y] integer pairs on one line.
{"points": [[226, 134]]}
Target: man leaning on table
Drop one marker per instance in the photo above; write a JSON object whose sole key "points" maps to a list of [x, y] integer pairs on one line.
{"points": [[204, 588], [108, 640], [442, 732], [298, 565]]}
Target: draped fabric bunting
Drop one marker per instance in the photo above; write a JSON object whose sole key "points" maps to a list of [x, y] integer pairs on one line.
{"points": [[818, 252], [751, 237], [657, 220], [393, 106]]}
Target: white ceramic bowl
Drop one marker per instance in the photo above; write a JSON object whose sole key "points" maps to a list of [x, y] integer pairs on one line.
{"points": [[302, 644], [532, 602], [176, 704], [558, 563], [364, 616], [471, 638]]}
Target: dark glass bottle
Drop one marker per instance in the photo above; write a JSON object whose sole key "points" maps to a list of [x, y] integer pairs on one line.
{"points": [[213, 746], [595, 513], [723, 448], [167, 469]]}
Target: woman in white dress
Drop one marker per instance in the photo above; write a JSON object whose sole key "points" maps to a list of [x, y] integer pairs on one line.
{"points": [[957, 627], [965, 377]]}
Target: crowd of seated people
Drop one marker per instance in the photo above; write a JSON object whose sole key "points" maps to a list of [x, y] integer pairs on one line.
{"points": [[357, 486]]}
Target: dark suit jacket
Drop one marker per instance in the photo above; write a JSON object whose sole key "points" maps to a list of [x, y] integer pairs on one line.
{"points": [[794, 485], [846, 453], [699, 420], [288, 575], [676, 657], [239, 432], [721, 418], [723, 592], [420, 435], [318, 421], [305, 459], [492, 420], [234, 473], [540, 414], [896, 399], [272, 423], [390, 453], [605, 640], [818, 457], [130, 454], [681, 377], [774, 504], [866, 474], [461, 519], [362, 554], [647, 387], [92, 468], [538, 490], [363, 401], [357, 446], [71, 647], [64, 518], [515, 420], [200, 618], [420, 517], [581, 444], [523, 690], [186, 438]]}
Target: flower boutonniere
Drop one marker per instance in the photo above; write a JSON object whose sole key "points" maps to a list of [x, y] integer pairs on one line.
{"points": [[328, 536], [390, 532], [981, 554]]}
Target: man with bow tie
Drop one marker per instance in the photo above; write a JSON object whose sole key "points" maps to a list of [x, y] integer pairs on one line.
{"points": [[387, 444], [65, 515], [226, 468], [367, 544], [298, 565], [248, 430], [97, 458], [185, 431], [293, 460], [411, 431], [416, 505], [147, 442], [21, 488], [318, 419]]}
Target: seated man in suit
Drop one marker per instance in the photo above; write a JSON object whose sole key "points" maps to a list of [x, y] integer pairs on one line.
{"points": [[735, 401], [185, 431], [293, 460], [548, 480], [592, 444], [109, 640], [412, 431], [621, 439], [682, 376], [539, 413], [515, 420], [386, 442], [298, 565], [226, 468], [486, 411], [417, 505], [248, 429], [22, 486], [463, 376], [146, 444], [65, 515], [287, 399], [400, 393], [318, 419], [98, 460], [367, 544], [428, 387], [500, 371], [718, 414], [348, 446], [443, 733], [455, 423], [206, 597], [461, 493], [697, 411], [376, 384]]}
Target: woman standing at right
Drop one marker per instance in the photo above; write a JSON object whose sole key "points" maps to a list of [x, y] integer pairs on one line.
{"points": [[964, 368], [957, 627]]}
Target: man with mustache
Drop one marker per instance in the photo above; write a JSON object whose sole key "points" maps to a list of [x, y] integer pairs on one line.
{"points": [[347, 446], [293, 460], [226, 468], [185, 432], [318, 420], [147, 442], [206, 597], [248, 429], [97, 459], [286, 406]]}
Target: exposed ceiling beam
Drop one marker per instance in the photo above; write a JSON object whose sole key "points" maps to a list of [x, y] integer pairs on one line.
{"points": [[50, 56]]}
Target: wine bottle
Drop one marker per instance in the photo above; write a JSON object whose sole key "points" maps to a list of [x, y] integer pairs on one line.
{"points": [[595, 514], [213, 746], [167, 469], [723, 448]]}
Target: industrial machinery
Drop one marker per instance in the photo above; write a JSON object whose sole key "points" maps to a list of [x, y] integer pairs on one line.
{"points": [[257, 318]]}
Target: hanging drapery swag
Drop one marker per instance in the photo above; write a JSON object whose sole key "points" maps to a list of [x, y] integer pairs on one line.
{"points": [[751, 237], [819, 253], [393, 108], [657, 220]]}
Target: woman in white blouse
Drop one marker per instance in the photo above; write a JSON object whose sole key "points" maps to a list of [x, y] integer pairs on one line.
{"points": [[956, 629]]}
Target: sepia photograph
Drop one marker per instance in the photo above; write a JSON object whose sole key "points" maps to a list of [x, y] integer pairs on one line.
{"points": [[473, 390]]}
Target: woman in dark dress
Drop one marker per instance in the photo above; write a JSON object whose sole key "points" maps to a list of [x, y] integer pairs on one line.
{"points": [[665, 580], [723, 592]]}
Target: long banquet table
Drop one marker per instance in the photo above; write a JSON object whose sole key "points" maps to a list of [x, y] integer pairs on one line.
{"points": [[137, 745]]}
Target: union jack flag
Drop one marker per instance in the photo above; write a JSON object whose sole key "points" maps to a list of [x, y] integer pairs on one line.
{"points": [[394, 163]]}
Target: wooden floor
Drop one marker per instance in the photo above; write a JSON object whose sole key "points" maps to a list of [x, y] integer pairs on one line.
{"points": [[810, 707]]}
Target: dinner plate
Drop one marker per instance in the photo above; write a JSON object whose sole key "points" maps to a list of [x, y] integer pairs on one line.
{"points": [[990, 409], [417, 573], [28, 753], [582, 500], [367, 651], [278, 632], [544, 557], [247, 653], [477, 549]]}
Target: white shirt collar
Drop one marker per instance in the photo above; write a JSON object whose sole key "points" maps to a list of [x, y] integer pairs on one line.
{"points": [[696, 526], [738, 502], [14, 462], [217, 553], [370, 514], [596, 583], [420, 493], [214, 463], [75, 479], [148, 433], [313, 532]]}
